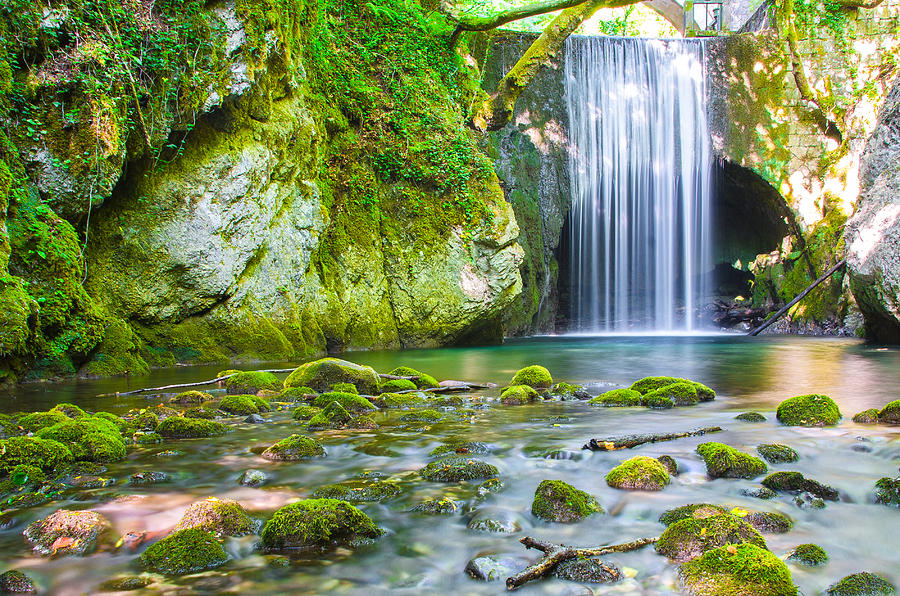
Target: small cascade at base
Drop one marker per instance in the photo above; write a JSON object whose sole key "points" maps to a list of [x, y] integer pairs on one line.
{"points": [[640, 166]]}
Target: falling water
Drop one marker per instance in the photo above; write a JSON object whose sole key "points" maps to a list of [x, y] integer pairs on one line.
{"points": [[640, 170]]}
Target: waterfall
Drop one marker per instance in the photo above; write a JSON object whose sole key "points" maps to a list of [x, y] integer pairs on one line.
{"points": [[639, 164]]}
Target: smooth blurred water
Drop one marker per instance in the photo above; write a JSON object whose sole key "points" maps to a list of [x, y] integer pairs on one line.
{"points": [[426, 555]]}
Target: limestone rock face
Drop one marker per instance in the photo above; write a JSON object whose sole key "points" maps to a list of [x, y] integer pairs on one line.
{"points": [[873, 233]]}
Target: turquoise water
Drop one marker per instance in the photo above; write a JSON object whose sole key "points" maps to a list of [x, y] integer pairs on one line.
{"points": [[426, 555]]}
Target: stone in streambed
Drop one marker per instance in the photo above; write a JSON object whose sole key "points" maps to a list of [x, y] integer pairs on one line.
{"points": [[861, 584], [321, 375], [253, 478], [424, 381], [491, 568], [691, 511], [869, 416], [809, 554], [517, 395], [359, 491], [252, 382], [795, 482], [534, 376], [16, 582], [887, 492], [808, 501], [639, 473], [776, 453], [750, 417], [442, 506], [690, 537], [185, 551], [669, 464], [455, 469], [67, 532], [318, 522], [680, 394], [758, 492], [125, 584], [222, 517], [494, 520], [147, 477], [460, 448], [890, 414], [773, 523], [723, 461], [737, 570], [293, 448], [813, 409], [617, 398], [178, 427], [588, 571], [558, 501]]}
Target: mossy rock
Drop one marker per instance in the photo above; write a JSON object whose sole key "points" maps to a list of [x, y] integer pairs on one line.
{"points": [[723, 461], [669, 464], [359, 491], [244, 405], [455, 469], [185, 551], [424, 381], [243, 383], [294, 447], [813, 409], [617, 398], [648, 384], [190, 398], [88, 438], [399, 400], [349, 401], [201, 412], [809, 554], [776, 453], [887, 492], [345, 388], [441, 506], [517, 395], [69, 410], [125, 584], [78, 531], [690, 537], [750, 417], [222, 517], [16, 582], [681, 394], [305, 413], [737, 570], [639, 473], [565, 390], [861, 584], [890, 414], [190, 428], [26, 475], [35, 421], [535, 376], [145, 419], [460, 448], [322, 375], [297, 394], [770, 522], [121, 424], [692, 511], [588, 571], [422, 416], [334, 416], [869, 416], [162, 412], [394, 385], [143, 437], [657, 402], [797, 482], [318, 522], [45, 454], [558, 501]]}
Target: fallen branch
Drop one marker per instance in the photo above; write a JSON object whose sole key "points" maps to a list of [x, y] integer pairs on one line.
{"points": [[197, 384], [554, 554], [630, 441]]}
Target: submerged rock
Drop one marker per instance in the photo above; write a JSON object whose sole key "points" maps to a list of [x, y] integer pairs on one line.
{"points": [[318, 522], [222, 517], [568, 391], [253, 478], [692, 511], [776, 453], [861, 584], [750, 417], [690, 537], [809, 554], [773, 523], [442, 506], [723, 461], [185, 551], [887, 491], [737, 570], [639, 473], [147, 477], [808, 410], [321, 375], [293, 448], [588, 571], [758, 492], [455, 469], [808, 501], [359, 491], [67, 532], [495, 520], [16, 582], [125, 584], [558, 501], [534, 376], [491, 568]]}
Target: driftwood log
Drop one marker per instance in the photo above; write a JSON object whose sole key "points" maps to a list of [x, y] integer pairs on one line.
{"points": [[554, 554], [629, 441]]}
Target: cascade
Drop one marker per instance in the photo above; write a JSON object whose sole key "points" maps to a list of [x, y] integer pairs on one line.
{"points": [[640, 168]]}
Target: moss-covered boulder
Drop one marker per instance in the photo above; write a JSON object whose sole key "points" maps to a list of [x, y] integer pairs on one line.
{"points": [[16, 582], [359, 491], [88, 438], [185, 551], [125, 583], [349, 401], [67, 532], [861, 584], [190, 398], [808, 410], [869, 416], [222, 517], [45, 454], [334, 416], [322, 375], [617, 398], [438, 506], [809, 554], [143, 419], [693, 510], [179, 427], [887, 492], [723, 461], [534, 376], [558, 501], [318, 522], [293, 448], [304, 413], [776, 453], [690, 537], [424, 381], [568, 391], [460, 447], [770, 522], [253, 382], [669, 464], [648, 384], [35, 421], [345, 388], [681, 394], [737, 570], [639, 473], [455, 469], [143, 437], [750, 417], [517, 395], [297, 394], [588, 571], [796, 482], [890, 414], [399, 400], [243, 405], [69, 410], [393, 385]]}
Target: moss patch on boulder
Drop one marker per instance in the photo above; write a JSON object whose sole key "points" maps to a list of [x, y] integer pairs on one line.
{"points": [[809, 554], [243, 405], [459, 448], [88, 438], [179, 427], [887, 492], [534, 376], [399, 400], [797, 482], [251, 382], [861, 584], [639, 473], [349, 401], [455, 469], [869, 416], [222, 517], [305, 413], [398, 385], [750, 417], [35, 421], [723, 461], [293, 448], [323, 374], [558, 501], [359, 491], [690, 537], [190, 398], [776, 453], [617, 398], [737, 570], [424, 381], [770, 522], [694, 510], [45, 454], [185, 551], [890, 414], [681, 394], [813, 409], [318, 522], [517, 395]]}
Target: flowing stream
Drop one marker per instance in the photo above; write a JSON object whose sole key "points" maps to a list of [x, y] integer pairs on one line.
{"points": [[640, 166], [423, 554]]}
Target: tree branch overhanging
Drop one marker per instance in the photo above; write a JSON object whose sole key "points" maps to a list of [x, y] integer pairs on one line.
{"points": [[477, 23]]}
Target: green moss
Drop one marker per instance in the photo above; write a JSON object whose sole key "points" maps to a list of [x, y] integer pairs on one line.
{"points": [[323, 374], [795, 482], [222, 517], [345, 388], [535, 376], [145, 419], [723, 461], [240, 405], [121, 423], [318, 522], [657, 402], [146, 438], [887, 491], [639, 473], [455, 469], [690, 537], [750, 417], [394, 385], [809, 554], [808, 410], [516, 395], [422, 416], [89, 438], [869, 416], [861, 584], [333, 416], [681, 394], [251, 382], [441, 506], [349, 401], [618, 397], [304, 413], [694, 510], [297, 394], [190, 398], [460, 448], [741, 570], [557, 501], [69, 410], [178, 427], [890, 414], [766, 521], [35, 421], [648, 384], [183, 552], [424, 381], [776, 453], [359, 491], [206, 413], [565, 390], [398, 400], [293, 448]]}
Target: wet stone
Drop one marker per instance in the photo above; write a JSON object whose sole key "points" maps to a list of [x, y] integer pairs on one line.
{"points": [[808, 501], [491, 568], [15, 582], [444, 506], [493, 520], [147, 477], [254, 419], [592, 571], [253, 478], [758, 492]]}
